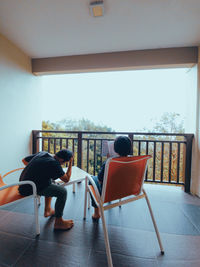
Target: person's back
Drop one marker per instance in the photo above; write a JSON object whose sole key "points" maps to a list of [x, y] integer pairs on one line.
{"points": [[41, 169]]}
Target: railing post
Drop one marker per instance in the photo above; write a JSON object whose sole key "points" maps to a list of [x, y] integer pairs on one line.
{"points": [[35, 146], [79, 160], [131, 136], [188, 161]]}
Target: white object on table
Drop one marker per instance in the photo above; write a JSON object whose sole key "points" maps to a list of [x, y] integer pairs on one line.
{"points": [[77, 175]]}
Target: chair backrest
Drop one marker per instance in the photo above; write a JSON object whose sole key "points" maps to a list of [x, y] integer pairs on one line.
{"points": [[124, 176]]}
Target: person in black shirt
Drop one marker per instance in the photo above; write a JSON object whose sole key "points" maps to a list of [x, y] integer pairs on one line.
{"points": [[42, 168], [123, 147]]}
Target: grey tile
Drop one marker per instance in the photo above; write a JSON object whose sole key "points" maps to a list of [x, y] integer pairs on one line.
{"points": [[52, 254], [19, 224], [81, 235], [171, 219], [99, 259], [180, 248], [4, 213], [12, 247], [172, 194], [192, 212], [162, 263], [135, 243]]}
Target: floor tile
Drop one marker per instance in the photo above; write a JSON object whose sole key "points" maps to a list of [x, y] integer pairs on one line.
{"points": [[52, 254], [171, 219], [129, 242], [192, 212], [18, 224], [173, 194], [12, 247], [99, 259], [81, 235], [180, 247], [178, 263]]}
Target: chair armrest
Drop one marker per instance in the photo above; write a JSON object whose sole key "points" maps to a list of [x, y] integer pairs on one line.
{"points": [[94, 186], [21, 183]]}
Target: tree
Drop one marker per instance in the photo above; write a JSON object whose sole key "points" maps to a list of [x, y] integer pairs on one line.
{"points": [[168, 123]]}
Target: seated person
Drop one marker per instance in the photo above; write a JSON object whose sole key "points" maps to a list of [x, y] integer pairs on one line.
{"points": [[42, 168], [122, 146]]}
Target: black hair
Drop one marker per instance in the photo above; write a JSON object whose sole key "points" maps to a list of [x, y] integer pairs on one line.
{"points": [[123, 145], [64, 154]]}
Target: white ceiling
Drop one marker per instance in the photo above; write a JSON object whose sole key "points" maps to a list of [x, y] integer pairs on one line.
{"points": [[49, 28]]}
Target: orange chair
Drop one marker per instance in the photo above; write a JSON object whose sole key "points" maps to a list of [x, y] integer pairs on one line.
{"points": [[9, 194], [123, 183]]}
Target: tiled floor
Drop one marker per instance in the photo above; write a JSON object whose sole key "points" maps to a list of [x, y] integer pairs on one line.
{"points": [[132, 238]]}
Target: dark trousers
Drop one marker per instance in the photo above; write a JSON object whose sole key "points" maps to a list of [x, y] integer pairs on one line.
{"points": [[60, 193], [99, 186]]}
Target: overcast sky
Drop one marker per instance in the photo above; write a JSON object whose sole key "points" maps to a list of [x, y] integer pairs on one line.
{"points": [[124, 101]]}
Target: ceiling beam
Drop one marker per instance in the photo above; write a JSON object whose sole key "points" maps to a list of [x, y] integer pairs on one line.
{"points": [[126, 60]]}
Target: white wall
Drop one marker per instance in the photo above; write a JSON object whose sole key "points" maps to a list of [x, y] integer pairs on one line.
{"points": [[191, 105], [20, 105]]}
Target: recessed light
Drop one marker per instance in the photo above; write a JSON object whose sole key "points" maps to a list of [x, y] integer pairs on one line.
{"points": [[97, 8]]}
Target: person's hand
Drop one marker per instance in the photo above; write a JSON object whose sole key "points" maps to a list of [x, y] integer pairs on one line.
{"points": [[71, 160]]}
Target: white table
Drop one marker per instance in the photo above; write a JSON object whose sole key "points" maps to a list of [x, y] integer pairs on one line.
{"points": [[78, 175]]}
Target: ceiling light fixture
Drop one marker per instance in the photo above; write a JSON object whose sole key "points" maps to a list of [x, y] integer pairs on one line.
{"points": [[97, 8]]}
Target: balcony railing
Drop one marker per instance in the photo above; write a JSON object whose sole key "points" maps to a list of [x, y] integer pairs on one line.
{"points": [[171, 153]]}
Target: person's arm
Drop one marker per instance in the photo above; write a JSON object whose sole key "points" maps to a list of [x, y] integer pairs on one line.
{"points": [[66, 177]]}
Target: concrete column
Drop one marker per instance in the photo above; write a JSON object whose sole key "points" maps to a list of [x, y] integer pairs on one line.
{"points": [[195, 183]]}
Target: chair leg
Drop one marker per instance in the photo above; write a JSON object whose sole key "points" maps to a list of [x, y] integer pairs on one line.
{"points": [[154, 223], [88, 200], [108, 252], [86, 195], [36, 216], [120, 205], [38, 200]]}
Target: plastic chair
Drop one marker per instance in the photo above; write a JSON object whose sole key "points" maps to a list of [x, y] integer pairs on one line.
{"points": [[123, 183], [9, 194]]}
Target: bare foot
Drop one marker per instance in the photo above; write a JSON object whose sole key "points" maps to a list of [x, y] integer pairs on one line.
{"points": [[61, 224], [95, 217], [96, 214], [49, 212]]}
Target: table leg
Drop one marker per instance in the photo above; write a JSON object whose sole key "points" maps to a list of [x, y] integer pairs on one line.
{"points": [[74, 188]]}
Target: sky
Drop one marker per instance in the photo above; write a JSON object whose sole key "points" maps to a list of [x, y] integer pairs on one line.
{"points": [[122, 100]]}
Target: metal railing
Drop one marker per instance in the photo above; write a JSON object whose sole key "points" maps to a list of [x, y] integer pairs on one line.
{"points": [[171, 153]]}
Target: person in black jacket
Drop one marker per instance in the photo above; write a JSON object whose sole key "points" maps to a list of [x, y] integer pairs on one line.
{"points": [[42, 168]]}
